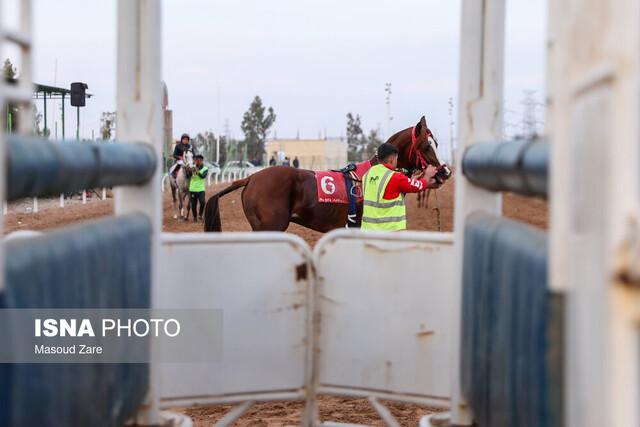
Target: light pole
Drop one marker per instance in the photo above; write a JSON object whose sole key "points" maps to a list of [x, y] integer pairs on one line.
{"points": [[387, 89], [451, 130]]}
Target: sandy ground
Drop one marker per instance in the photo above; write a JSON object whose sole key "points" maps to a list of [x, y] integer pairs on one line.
{"points": [[337, 409]]}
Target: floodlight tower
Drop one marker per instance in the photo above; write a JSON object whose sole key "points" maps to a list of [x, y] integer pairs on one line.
{"points": [[387, 89]]}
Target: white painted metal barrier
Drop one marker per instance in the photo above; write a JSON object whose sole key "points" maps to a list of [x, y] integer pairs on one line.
{"points": [[290, 336], [383, 302], [263, 282]]}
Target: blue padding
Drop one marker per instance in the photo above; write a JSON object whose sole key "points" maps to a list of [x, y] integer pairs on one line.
{"points": [[102, 264], [520, 166], [40, 167], [507, 373]]}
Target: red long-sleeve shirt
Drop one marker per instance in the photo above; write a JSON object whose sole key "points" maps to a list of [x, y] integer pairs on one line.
{"points": [[399, 183]]}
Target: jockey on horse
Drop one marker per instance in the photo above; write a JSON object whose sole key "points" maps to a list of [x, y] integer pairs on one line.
{"points": [[179, 151]]}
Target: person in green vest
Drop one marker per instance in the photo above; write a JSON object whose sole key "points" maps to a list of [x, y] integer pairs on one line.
{"points": [[384, 190], [196, 187]]}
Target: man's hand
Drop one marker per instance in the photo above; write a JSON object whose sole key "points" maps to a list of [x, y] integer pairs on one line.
{"points": [[430, 172], [417, 175]]}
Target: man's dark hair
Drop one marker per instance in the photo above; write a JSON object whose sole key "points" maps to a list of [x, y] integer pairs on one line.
{"points": [[199, 156], [386, 150]]}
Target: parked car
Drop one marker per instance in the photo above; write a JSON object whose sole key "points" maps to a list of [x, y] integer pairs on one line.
{"points": [[239, 164], [214, 167]]}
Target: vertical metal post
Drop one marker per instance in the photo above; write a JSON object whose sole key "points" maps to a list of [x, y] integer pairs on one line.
{"points": [[63, 115], [3, 189], [596, 105], [25, 121], [479, 120], [139, 119], [218, 136], [44, 97], [78, 124]]}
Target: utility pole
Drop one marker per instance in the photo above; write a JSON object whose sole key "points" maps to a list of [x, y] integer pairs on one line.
{"points": [[387, 89], [529, 119], [218, 136], [451, 130]]}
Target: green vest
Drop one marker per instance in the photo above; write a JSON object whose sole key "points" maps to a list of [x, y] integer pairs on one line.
{"points": [[197, 183], [379, 213]]}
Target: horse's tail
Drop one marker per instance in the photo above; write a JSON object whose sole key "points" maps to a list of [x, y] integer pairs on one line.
{"points": [[211, 209]]}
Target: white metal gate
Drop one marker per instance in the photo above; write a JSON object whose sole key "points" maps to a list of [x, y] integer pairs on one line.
{"points": [[263, 282], [296, 326], [384, 304]]}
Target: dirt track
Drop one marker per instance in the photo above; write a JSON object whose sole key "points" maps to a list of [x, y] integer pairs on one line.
{"points": [[337, 409]]}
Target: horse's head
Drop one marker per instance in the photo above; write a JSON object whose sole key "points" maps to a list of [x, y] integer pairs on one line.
{"points": [[424, 151], [187, 159]]}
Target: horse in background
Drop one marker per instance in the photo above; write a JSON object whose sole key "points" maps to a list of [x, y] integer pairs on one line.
{"points": [[180, 184], [276, 196]]}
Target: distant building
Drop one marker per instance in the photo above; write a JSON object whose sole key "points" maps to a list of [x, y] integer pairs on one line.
{"points": [[314, 154]]}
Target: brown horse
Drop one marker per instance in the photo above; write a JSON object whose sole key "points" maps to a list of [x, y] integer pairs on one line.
{"points": [[276, 196]]}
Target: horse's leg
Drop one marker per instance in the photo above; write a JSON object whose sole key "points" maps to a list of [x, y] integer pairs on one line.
{"points": [[181, 204], [173, 195], [188, 205]]}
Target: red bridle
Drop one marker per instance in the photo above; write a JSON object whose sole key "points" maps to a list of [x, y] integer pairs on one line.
{"points": [[422, 164]]}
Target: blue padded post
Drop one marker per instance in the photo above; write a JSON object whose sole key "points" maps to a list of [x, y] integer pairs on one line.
{"points": [[101, 264], [511, 334]]}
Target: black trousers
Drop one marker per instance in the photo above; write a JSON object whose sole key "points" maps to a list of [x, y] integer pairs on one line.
{"points": [[195, 197]]}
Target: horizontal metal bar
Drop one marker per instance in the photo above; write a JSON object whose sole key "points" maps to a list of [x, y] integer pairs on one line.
{"points": [[18, 38], [435, 401], [40, 167], [521, 166], [175, 402], [16, 94]]}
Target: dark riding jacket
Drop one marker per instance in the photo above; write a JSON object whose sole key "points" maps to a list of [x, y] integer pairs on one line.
{"points": [[178, 152]]}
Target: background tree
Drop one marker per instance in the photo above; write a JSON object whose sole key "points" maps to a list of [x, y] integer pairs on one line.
{"points": [[354, 138], [9, 72], [372, 142], [255, 126], [37, 120], [107, 125]]}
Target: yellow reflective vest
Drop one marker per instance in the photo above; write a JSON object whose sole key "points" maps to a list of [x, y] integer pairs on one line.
{"points": [[379, 213], [197, 184]]}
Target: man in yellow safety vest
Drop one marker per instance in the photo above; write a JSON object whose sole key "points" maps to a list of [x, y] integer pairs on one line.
{"points": [[384, 189], [197, 187]]}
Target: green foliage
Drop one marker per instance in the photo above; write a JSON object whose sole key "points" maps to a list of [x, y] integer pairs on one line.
{"points": [[9, 72], [39, 128], [107, 125], [255, 126], [360, 147], [205, 143], [372, 142]]}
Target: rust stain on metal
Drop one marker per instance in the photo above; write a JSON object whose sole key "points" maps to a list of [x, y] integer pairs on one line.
{"points": [[330, 300], [301, 271], [425, 334]]}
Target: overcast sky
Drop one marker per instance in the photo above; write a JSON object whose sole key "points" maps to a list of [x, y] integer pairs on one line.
{"points": [[312, 61]]}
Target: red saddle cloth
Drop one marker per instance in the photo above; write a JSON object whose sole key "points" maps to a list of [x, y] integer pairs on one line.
{"points": [[331, 185]]}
